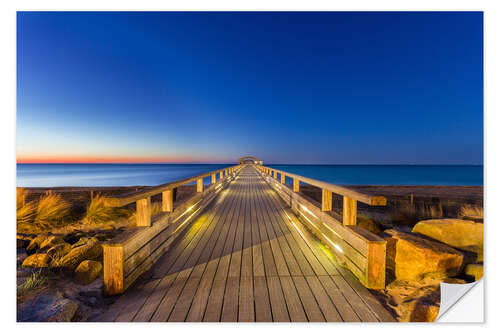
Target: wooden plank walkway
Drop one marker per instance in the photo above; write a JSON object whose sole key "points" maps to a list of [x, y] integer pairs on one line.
{"points": [[247, 258]]}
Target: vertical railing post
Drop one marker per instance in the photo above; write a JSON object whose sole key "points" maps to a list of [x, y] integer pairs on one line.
{"points": [[326, 200], [375, 264], [296, 185], [213, 178], [113, 269], [349, 211], [282, 178], [167, 201], [220, 175], [199, 185], [143, 212], [275, 174]]}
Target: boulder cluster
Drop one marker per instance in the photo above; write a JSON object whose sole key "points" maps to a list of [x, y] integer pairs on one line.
{"points": [[75, 260], [83, 257], [434, 251]]}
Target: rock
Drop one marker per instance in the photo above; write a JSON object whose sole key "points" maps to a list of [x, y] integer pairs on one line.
{"points": [[476, 252], [83, 241], [462, 234], [424, 311], [72, 238], [414, 301], [475, 270], [87, 271], [21, 256], [58, 251], [453, 232], [411, 257], [370, 225], [92, 250], [37, 260], [104, 235], [21, 243], [50, 242], [47, 307], [35, 244]]}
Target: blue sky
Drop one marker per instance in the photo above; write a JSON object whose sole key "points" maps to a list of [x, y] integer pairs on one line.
{"points": [[330, 88]]}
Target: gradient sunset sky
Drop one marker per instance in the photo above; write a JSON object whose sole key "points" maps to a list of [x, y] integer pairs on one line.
{"points": [[329, 88]]}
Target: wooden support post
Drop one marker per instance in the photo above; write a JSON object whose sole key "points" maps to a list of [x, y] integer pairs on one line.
{"points": [[349, 211], [143, 212], [213, 178], [296, 185], [220, 175], [282, 178], [113, 269], [199, 185], [275, 175], [375, 265], [326, 200], [167, 201]]}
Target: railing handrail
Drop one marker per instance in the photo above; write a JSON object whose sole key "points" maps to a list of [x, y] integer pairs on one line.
{"points": [[372, 200], [128, 198]]}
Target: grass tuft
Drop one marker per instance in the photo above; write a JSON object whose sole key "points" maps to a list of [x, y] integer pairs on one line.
{"points": [[472, 211], [97, 212], [21, 196], [51, 210], [35, 280], [26, 211]]}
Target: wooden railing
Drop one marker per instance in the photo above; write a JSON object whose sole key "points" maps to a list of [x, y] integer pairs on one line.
{"points": [[363, 252], [132, 253]]}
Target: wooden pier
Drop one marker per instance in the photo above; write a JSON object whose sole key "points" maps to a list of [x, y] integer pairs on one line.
{"points": [[237, 251]]}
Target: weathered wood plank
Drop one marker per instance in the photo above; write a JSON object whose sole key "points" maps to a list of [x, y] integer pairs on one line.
{"points": [[143, 212], [326, 200], [113, 269], [349, 211], [262, 302], [329, 311], [167, 201], [278, 304], [307, 299], [294, 305], [343, 307]]}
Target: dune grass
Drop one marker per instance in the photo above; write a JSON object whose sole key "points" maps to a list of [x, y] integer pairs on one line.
{"points": [[25, 211], [51, 210], [35, 280], [472, 211], [98, 213]]}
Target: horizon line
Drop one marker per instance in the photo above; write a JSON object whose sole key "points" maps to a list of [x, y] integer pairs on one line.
{"points": [[269, 164]]}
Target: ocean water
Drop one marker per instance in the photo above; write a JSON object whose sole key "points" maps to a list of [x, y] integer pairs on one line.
{"points": [[51, 175]]}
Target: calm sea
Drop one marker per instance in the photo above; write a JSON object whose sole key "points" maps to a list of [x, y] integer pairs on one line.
{"points": [[48, 175]]}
